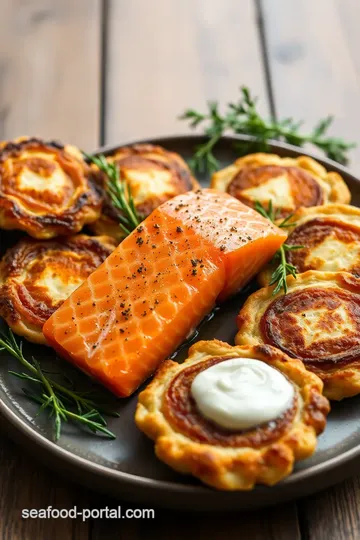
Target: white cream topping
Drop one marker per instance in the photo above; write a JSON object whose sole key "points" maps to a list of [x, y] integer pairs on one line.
{"points": [[241, 393]]}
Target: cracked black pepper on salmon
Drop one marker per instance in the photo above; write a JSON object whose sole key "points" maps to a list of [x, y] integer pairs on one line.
{"points": [[179, 296]]}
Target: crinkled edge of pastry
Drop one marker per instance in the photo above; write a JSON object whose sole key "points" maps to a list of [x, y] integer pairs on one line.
{"points": [[84, 209], [15, 317], [343, 212], [333, 186], [340, 382], [235, 468]]}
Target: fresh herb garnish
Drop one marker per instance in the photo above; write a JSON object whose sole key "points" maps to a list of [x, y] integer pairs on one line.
{"points": [[62, 403], [244, 118], [119, 192], [283, 269]]}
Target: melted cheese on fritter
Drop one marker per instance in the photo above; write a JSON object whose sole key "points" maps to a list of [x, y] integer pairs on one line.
{"points": [[290, 183], [153, 175], [147, 184], [57, 180], [59, 282], [30, 180], [39, 177], [322, 324], [333, 255], [277, 189], [55, 275]]}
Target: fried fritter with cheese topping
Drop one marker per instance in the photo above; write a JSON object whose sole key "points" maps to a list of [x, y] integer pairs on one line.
{"points": [[229, 459], [46, 188], [36, 277], [154, 176], [330, 240], [289, 183], [317, 321]]}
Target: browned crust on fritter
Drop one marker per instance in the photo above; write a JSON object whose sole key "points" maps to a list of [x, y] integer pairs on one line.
{"points": [[309, 227], [337, 360], [234, 468], [144, 156], [311, 184], [26, 304], [45, 214]]}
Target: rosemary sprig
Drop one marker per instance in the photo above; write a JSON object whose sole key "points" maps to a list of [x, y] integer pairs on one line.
{"points": [[119, 192], [283, 269], [243, 117], [61, 402]]}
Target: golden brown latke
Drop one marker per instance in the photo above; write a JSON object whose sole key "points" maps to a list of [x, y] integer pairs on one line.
{"points": [[191, 444], [37, 276], [317, 321], [330, 236], [45, 188], [154, 175], [288, 182]]}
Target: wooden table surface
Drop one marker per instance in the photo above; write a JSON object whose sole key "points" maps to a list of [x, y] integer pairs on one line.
{"points": [[92, 72]]}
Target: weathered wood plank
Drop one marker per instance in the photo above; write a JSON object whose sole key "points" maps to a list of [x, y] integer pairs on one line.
{"points": [[163, 57], [49, 70], [348, 13], [314, 63], [279, 523], [332, 514], [25, 484]]}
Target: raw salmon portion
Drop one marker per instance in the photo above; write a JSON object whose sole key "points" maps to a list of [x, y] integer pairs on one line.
{"points": [[158, 284], [246, 239], [139, 305]]}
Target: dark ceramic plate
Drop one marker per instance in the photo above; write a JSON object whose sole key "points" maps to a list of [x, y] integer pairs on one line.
{"points": [[127, 466]]}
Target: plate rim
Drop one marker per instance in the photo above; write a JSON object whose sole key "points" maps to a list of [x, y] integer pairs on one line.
{"points": [[125, 479]]}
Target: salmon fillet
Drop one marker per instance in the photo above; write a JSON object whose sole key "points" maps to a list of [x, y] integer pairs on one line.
{"points": [[158, 284], [247, 240]]}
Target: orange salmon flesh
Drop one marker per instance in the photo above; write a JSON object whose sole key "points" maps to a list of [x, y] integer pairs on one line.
{"points": [[159, 283]]}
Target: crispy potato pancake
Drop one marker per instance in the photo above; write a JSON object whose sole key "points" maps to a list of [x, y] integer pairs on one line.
{"points": [[330, 236], [317, 321], [289, 183], [45, 188], [154, 175], [36, 277], [230, 460]]}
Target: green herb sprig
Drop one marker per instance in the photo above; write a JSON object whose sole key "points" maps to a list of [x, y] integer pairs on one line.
{"points": [[244, 118], [62, 403], [283, 269], [119, 192]]}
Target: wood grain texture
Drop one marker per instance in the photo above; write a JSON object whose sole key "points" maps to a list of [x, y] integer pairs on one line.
{"points": [[332, 514], [165, 56], [314, 63], [25, 484], [348, 13], [278, 523], [49, 70], [162, 57]]}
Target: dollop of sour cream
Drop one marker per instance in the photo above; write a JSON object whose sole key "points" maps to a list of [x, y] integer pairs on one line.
{"points": [[241, 393]]}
